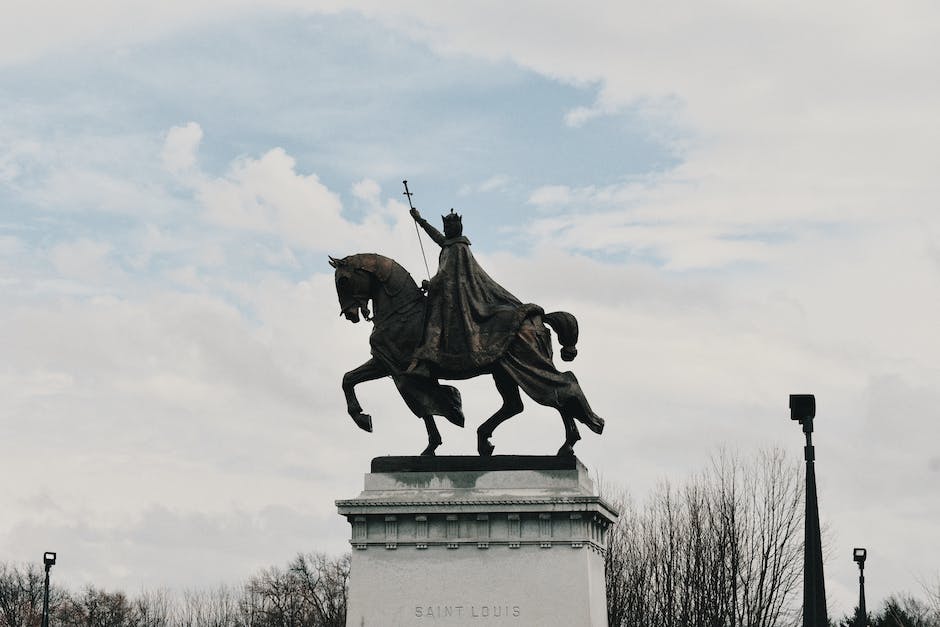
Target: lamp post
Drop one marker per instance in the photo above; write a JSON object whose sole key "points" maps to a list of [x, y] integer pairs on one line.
{"points": [[803, 409], [48, 558], [861, 618]]}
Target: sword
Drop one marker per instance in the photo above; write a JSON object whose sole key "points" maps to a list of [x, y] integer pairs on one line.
{"points": [[417, 232]]}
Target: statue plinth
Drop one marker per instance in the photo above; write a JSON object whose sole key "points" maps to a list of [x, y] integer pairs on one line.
{"points": [[514, 540]]}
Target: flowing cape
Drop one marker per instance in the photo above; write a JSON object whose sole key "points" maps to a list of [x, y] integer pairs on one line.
{"points": [[471, 319]]}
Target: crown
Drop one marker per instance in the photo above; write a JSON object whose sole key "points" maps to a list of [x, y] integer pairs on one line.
{"points": [[452, 218]]}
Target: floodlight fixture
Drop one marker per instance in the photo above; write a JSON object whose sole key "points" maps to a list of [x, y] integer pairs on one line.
{"points": [[48, 558], [859, 554], [802, 407]]}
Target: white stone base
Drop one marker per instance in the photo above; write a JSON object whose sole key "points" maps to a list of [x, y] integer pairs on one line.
{"points": [[500, 547]]}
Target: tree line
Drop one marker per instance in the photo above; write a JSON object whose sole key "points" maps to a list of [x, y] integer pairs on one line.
{"points": [[310, 592], [901, 611]]}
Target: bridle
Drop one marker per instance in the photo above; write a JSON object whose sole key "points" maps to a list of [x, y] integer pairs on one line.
{"points": [[348, 288]]}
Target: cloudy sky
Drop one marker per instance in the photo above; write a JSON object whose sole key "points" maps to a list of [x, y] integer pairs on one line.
{"points": [[738, 201]]}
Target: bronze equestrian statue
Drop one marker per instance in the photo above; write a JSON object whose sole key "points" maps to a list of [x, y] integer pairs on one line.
{"points": [[465, 326]]}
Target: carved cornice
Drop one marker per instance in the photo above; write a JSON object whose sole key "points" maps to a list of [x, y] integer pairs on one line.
{"points": [[590, 500], [362, 545]]}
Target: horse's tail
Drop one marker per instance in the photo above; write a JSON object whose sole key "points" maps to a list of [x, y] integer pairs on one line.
{"points": [[566, 326]]}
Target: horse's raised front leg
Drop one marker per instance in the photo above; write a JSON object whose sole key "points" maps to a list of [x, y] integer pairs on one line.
{"points": [[368, 371], [434, 436], [512, 405]]}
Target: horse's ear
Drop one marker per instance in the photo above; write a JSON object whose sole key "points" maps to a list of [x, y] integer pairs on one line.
{"points": [[335, 262]]}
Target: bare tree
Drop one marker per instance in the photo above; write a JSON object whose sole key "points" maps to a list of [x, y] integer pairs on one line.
{"points": [[311, 592], [724, 550], [627, 571], [323, 584], [214, 607], [154, 608], [96, 608], [771, 525], [21, 592], [933, 599]]}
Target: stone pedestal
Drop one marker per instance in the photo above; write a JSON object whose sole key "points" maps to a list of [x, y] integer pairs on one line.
{"points": [[505, 540]]}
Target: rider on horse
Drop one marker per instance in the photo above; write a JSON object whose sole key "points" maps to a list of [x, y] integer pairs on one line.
{"points": [[471, 319]]}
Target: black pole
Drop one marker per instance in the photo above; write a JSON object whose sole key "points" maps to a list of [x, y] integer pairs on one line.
{"points": [[862, 618], [45, 598], [803, 408], [48, 558], [814, 586]]}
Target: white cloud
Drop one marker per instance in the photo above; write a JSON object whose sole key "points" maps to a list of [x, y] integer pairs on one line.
{"points": [[79, 189], [108, 553], [367, 190], [86, 173], [10, 246], [794, 115], [268, 195], [42, 26], [181, 146], [82, 259], [550, 195], [579, 115], [17, 153], [494, 183]]}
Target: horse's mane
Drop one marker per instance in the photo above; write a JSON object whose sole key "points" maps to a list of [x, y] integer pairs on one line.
{"points": [[389, 272]]}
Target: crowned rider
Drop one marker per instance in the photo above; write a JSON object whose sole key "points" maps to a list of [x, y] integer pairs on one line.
{"points": [[470, 317]]}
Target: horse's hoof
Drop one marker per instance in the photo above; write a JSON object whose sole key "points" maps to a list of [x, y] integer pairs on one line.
{"points": [[566, 451], [363, 421], [485, 448], [432, 446]]}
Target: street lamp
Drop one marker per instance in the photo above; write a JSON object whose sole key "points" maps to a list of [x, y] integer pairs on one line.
{"points": [[803, 409], [861, 618], [48, 558]]}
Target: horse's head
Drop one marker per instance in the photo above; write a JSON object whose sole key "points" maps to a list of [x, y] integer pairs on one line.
{"points": [[370, 276], [352, 288]]}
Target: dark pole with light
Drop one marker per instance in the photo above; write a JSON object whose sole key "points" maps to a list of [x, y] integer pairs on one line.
{"points": [[861, 618], [48, 558], [803, 409]]}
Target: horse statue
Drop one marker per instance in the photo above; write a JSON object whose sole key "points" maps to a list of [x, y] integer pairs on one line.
{"points": [[398, 315]]}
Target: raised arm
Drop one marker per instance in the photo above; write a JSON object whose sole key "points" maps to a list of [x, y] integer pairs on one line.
{"points": [[433, 233]]}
